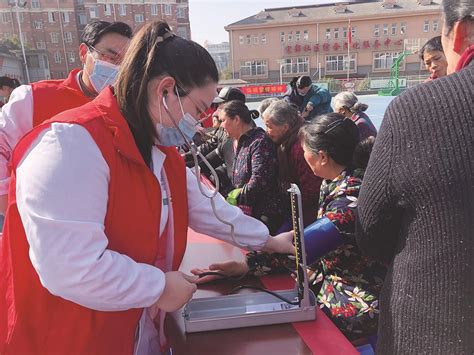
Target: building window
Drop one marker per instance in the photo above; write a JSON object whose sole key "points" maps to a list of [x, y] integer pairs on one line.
{"points": [[6, 17], [21, 17], [290, 36], [339, 63], [37, 25], [336, 33], [248, 40], [71, 57], [57, 57], [82, 19], [241, 39], [282, 37], [384, 60], [94, 12], [68, 37], [328, 33], [344, 32], [435, 25], [263, 38], [107, 10], [41, 45], [255, 39], [297, 65], [139, 18], [403, 28], [181, 12], [385, 29], [354, 31], [122, 10], [66, 18], [35, 4], [167, 10], [182, 32], [394, 29], [298, 36], [305, 35], [426, 26], [376, 30], [154, 9], [51, 17], [253, 68], [54, 37]]}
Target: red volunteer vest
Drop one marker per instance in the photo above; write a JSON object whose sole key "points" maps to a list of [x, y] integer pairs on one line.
{"points": [[32, 320], [51, 97]]}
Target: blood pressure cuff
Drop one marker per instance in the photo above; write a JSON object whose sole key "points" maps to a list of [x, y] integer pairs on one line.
{"points": [[320, 238]]}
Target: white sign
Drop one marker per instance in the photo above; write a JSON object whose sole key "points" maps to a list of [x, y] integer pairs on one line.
{"points": [[382, 83]]}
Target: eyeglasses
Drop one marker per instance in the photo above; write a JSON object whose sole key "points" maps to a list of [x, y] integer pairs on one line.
{"points": [[111, 58]]}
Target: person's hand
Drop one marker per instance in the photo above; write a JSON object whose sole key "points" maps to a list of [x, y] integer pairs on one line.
{"points": [[178, 290], [309, 107], [281, 244], [228, 268]]}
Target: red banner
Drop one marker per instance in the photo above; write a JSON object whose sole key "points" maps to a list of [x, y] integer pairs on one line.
{"points": [[264, 89]]}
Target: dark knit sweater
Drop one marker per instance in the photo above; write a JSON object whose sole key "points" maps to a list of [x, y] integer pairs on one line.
{"points": [[416, 211]]}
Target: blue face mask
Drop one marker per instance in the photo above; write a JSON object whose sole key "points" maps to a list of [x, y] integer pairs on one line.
{"points": [[103, 74], [183, 132], [172, 137]]}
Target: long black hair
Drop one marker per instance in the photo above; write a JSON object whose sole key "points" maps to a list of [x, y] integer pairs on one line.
{"points": [[155, 51]]}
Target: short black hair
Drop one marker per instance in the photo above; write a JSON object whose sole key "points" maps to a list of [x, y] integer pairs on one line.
{"points": [[94, 31], [433, 44], [303, 82], [10, 82]]}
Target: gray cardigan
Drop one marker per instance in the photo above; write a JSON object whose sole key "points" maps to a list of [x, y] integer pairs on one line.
{"points": [[416, 212]]}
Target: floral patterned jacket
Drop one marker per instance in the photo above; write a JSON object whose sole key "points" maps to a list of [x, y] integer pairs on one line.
{"points": [[347, 284]]}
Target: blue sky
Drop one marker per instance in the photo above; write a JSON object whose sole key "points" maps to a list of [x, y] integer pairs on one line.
{"points": [[208, 17]]}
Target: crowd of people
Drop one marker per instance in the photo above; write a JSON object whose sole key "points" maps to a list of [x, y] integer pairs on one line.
{"points": [[98, 199]]}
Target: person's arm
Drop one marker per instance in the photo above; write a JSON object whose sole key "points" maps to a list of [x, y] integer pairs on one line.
{"points": [[264, 172], [248, 231], [62, 194], [378, 213], [16, 119]]}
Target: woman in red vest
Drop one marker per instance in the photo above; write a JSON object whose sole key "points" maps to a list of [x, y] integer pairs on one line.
{"points": [[99, 206]]}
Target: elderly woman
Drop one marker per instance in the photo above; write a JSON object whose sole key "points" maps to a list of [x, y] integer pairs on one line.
{"points": [[347, 104], [283, 122], [347, 284], [416, 206], [255, 168]]}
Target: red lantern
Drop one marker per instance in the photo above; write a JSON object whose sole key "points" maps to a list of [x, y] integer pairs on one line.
{"points": [[336, 46], [387, 42], [376, 43], [307, 48], [366, 44], [326, 46], [356, 45], [316, 47], [298, 48], [288, 49]]}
